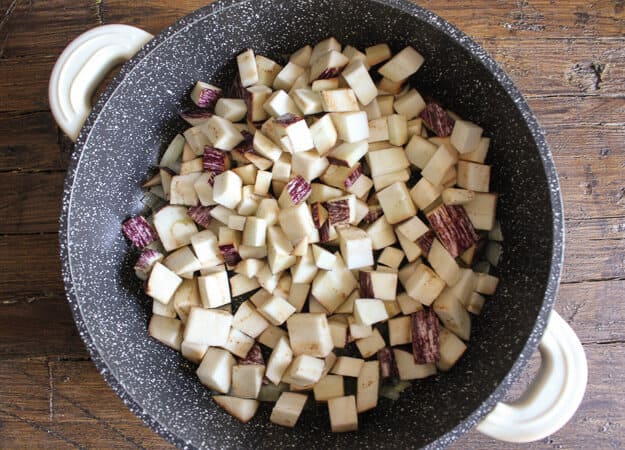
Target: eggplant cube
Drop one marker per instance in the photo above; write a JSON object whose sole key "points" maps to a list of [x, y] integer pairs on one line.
{"points": [[304, 370], [378, 130], [478, 155], [327, 65], [425, 193], [402, 65], [214, 289], [444, 263], [279, 103], [238, 343], [296, 222], [222, 133], [166, 330], [330, 386], [338, 330], [276, 310], [348, 153], [193, 352], [182, 261], [227, 189], [243, 409], [267, 70], [208, 327], [339, 100], [309, 164], [486, 284], [453, 227], [248, 71], [453, 314], [215, 371], [436, 169], [247, 380], [396, 203], [377, 54], [331, 288], [254, 232], [369, 311], [309, 334], [323, 258], [162, 283], [182, 190], [232, 109], [472, 176], [451, 349], [174, 227], [413, 228], [407, 304], [387, 160], [205, 246], [377, 284], [357, 77], [424, 285], [347, 366], [287, 76], [307, 101], [343, 414], [397, 129], [351, 126], [408, 369], [399, 331], [370, 345], [381, 233], [481, 211], [288, 408], [419, 151], [391, 257], [205, 95], [465, 136], [279, 250], [204, 188], [279, 361], [410, 105], [248, 320], [355, 247], [367, 386]]}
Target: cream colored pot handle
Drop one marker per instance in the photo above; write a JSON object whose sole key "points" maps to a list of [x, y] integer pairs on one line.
{"points": [[554, 395], [83, 65]]}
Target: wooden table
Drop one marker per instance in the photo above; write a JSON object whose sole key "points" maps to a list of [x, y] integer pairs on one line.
{"points": [[567, 57]]}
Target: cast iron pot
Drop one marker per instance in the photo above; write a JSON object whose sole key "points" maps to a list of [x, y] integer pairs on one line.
{"points": [[137, 116]]}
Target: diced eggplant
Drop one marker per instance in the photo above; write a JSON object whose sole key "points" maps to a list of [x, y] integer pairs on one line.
{"points": [[436, 118], [453, 227], [205, 95], [138, 231], [146, 261], [425, 336]]}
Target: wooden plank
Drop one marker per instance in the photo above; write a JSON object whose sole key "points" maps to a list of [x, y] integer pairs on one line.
{"points": [[574, 112], [504, 18], [589, 160], [562, 66], [35, 391], [594, 310], [45, 28], [30, 268], [595, 249], [30, 141], [24, 83], [538, 18], [40, 328], [600, 419], [31, 202]]}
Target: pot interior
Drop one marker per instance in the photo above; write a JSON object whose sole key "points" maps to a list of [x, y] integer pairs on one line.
{"points": [[134, 125]]}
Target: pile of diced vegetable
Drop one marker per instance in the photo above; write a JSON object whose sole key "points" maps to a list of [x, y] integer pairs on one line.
{"points": [[310, 190]]}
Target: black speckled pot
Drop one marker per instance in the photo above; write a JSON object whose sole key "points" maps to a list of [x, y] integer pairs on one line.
{"points": [[136, 118]]}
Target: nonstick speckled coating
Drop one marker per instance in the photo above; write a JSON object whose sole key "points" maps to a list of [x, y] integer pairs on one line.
{"points": [[137, 116]]}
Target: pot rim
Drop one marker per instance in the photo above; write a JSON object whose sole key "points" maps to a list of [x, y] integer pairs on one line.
{"points": [[219, 6]]}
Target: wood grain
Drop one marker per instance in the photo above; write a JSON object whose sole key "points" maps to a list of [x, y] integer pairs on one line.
{"points": [[568, 59], [30, 203]]}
